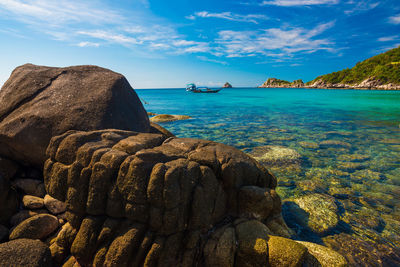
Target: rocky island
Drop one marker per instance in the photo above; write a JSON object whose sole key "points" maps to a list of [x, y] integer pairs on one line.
{"points": [[87, 180], [227, 85], [381, 72], [276, 83]]}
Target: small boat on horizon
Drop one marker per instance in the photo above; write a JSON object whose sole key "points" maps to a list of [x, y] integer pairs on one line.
{"points": [[191, 87]]}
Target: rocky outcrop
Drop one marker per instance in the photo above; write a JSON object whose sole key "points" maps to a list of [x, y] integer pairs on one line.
{"points": [[368, 84], [40, 102], [276, 83], [148, 190], [227, 85]]}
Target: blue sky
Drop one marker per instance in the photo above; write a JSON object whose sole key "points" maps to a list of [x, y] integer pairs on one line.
{"points": [[159, 44]]}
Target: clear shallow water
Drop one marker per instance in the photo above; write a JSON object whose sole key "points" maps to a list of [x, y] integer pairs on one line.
{"points": [[362, 171]]}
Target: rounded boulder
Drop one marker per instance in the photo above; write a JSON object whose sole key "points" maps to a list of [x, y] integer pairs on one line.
{"points": [[39, 102]]}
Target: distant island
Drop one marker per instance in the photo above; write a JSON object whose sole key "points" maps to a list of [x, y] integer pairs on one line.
{"points": [[381, 72], [227, 85]]}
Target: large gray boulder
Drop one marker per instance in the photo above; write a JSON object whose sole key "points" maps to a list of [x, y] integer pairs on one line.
{"points": [[39, 102]]}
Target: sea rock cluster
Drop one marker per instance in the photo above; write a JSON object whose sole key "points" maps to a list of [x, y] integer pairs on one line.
{"points": [[277, 83], [113, 189]]}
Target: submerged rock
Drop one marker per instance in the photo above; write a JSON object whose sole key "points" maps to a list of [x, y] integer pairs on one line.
{"points": [[40, 102], [316, 212], [350, 166], [276, 156], [167, 118], [353, 157], [363, 253], [322, 256], [25, 252], [311, 145], [334, 144]]}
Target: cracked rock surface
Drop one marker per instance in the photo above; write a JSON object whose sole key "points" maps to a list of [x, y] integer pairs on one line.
{"points": [[138, 199]]}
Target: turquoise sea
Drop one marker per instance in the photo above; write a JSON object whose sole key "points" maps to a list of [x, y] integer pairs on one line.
{"points": [[349, 147]]}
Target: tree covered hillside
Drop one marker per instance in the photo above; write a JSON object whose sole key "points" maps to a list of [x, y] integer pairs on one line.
{"points": [[384, 67]]}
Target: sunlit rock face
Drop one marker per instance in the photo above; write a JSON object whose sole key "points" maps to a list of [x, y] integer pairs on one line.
{"points": [[142, 198]]}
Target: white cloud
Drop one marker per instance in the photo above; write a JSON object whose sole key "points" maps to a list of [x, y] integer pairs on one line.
{"points": [[88, 44], [204, 58], [388, 38], [361, 6], [274, 40], [60, 12], [395, 19], [299, 2], [253, 18], [110, 36]]}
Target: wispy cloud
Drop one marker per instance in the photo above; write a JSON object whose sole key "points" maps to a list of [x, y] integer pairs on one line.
{"points": [[395, 19], [204, 58], [88, 44], [274, 41], [388, 38], [299, 2], [360, 6], [110, 36], [253, 18], [61, 12]]}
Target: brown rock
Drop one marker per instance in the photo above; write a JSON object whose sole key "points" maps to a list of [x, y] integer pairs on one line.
{"points": [[25, 252], [32, 202], [29, 186], [285, 252], [8, 200], [53, 205], [140, 198], [8, 168], [40, 102], [155, 128], [22, 215], [252, 244], [37, 227], [3, 233], [322, 256]]}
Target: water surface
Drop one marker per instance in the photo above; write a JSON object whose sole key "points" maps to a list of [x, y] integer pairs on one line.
{"points": [[362, 172]]}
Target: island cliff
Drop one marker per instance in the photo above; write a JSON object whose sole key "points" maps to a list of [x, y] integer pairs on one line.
{"points": [[381, 72]]}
